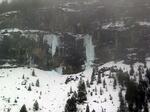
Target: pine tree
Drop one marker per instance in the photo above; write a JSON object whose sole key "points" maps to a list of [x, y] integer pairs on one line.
{"points": [[15, 101], [87, 108], [101, 91], [148, 74], [131, 91], [102, 110], [23, 76], [71, 90], [88, 83], [23, 108], [140, 76], [71, 105], [104, 83], [146, 107], [93, 110], [110, 97], [93, 77], [99, 79], [75, 95], [115, 83], [36, 106], [131, 70], [37, 83], [82, 92], [33, 73], [122, 107], [145, 64], [103, 74], [29, 88], [95, 90]]}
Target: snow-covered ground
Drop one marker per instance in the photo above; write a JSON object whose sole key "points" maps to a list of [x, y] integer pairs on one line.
{"points": [[52, 93]]}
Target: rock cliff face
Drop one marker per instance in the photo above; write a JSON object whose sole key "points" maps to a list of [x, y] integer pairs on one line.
{"points": [[74, 52], [48, 50]]}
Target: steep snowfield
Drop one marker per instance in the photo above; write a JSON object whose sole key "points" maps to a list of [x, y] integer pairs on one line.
{"points": [[53, 92]]}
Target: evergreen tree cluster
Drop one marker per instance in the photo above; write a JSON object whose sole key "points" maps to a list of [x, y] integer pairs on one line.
{"points": [[136, 96], [35, 107]]}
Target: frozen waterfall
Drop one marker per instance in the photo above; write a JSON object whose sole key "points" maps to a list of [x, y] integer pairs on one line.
{"points": [[53, 42], [90, 50]]}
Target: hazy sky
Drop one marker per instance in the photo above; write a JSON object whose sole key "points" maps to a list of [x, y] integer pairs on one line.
{"points": [[3, 0]]}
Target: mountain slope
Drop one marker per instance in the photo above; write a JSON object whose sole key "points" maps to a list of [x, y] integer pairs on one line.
{"points": [[53, 92]]}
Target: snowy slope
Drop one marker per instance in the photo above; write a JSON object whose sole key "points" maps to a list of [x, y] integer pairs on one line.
{"points": [[53, 92]]}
